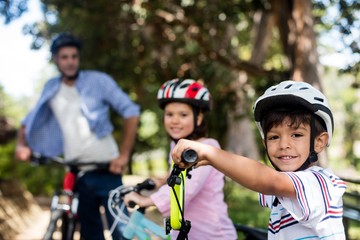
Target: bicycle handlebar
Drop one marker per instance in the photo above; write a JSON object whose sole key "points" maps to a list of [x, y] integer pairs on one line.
{"points": [[147, 184], [189, 156], [38, 159]]}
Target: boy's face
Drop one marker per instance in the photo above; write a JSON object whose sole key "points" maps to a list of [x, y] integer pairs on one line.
{"points": [[288, 147]]}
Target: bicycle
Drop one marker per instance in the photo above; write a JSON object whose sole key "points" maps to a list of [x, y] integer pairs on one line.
{"points": [[140, 227], [137, 225], [64, 203]]}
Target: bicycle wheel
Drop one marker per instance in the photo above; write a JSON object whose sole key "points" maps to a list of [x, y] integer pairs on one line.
{"points": [[68, 226], [251, 233], [55, 216]]}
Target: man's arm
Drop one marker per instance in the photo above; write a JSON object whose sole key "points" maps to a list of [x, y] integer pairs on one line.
{"points": [[119, 165], [22, 151]]}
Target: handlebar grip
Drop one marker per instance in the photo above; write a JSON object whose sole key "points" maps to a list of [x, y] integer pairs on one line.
{"points": [[189, 156], [132, 204], [148, 184], [38, 159]]}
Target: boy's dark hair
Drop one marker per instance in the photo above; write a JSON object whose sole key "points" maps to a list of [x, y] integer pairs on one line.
{"points": [[296, 115]]}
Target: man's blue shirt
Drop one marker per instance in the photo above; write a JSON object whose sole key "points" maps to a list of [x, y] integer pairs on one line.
{"points": [[98, 92]]}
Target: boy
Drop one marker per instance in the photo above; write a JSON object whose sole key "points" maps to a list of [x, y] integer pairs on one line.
{"points": [[296, 124]]}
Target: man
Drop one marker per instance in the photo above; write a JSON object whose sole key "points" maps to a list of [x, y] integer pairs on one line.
{"points": [[72, 118]]}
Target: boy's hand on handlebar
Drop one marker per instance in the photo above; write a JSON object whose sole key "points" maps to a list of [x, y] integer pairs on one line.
{"points": [[23, 153], [184, 144]]}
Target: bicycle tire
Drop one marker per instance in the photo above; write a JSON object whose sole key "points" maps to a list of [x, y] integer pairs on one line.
{"points": [[251, 233], [70, 229], [68, 226], [54, 217]]}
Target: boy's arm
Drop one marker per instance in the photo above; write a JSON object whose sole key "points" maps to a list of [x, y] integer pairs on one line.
{"points": [[247, 172]]}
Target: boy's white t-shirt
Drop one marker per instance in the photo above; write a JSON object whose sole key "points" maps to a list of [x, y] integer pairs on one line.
{"points": [[317, 211]]}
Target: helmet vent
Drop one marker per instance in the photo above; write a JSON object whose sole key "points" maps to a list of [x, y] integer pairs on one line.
{"points": [[304, 88], [288, 86], [319, 99], [184, 85]]}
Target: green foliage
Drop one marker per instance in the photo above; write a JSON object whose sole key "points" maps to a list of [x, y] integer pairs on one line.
{"points": [[7, 164], [144, 43], [244, 208], [342, 17], [39, 180], [12, 109]]}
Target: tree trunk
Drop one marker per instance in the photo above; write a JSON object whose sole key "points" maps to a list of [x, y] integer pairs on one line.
{"points": [[241, 138], [296, 27], [298, 39], [295, 23]]}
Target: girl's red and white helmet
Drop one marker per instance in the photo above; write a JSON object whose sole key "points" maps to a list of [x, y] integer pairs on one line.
{"points": [[187, 91], [291, 93]]}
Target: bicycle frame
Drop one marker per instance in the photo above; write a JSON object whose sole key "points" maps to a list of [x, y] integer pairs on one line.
{"points": [[177, 200], [64, 204], [137, 225], [176, 181]]}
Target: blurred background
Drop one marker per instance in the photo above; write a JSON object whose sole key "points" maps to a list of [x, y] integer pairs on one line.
{"points": [[238, 48]]}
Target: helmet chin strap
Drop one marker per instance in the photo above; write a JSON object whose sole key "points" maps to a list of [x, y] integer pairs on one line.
{"points": [[311, 158], [313, 155]]}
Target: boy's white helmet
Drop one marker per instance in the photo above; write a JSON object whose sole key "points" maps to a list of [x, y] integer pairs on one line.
{"points": [[291, 93]]}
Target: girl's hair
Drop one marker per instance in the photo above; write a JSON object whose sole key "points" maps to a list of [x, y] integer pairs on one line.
{"points": [[201, 130], [296, 115]]}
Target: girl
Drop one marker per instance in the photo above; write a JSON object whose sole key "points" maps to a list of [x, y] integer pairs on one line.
{"points": [[184, 103]]}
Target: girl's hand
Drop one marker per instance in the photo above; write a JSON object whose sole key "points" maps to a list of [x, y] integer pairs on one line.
{"points": [[140, 200], [183, 145]]}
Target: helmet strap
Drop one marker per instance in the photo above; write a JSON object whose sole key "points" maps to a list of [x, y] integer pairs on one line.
{"points": [[313, 155]]}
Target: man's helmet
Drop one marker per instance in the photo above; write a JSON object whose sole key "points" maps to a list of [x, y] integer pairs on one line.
{"points": [[291, 93], [187, 91], [64, 40]]}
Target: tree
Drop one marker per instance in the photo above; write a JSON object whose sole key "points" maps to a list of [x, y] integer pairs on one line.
{"points": [[237, 47], [12, 9]]}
